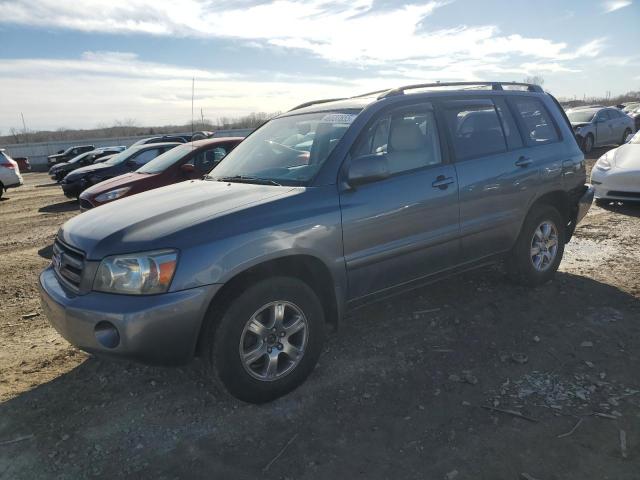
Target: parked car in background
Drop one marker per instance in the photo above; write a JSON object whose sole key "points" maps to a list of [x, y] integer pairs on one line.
{"points": [[185, 162], [616, 174], [9, 173], [69, 153], [596, 126], [635, 114], [60, 170], [395, 189], [128, 161], [162, 139], [23, 163]]}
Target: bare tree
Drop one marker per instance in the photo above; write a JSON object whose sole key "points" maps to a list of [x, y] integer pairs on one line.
{"points": [[534, 79]]}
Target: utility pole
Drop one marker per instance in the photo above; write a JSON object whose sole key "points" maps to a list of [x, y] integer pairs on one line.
{"points": [[24, 127]]}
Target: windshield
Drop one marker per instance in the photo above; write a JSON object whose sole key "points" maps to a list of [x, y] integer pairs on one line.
{"points": [[120, 157], [581, 116], [287, 150], [164, 161], [79, 157]]}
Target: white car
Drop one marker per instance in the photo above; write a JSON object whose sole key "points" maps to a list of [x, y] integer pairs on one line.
{"points": [[616, 174], [9, 173]]}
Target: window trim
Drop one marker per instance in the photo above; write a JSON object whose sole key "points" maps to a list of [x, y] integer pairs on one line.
{"points": [[515, 113], [488, 101], [427, 106]]}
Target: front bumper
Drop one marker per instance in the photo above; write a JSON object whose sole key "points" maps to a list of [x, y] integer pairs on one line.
{"points": [[74, 189], [616, 184], [154, 329]]}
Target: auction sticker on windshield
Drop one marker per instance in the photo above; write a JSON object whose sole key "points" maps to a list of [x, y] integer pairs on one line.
{"points": [[344, 118]]}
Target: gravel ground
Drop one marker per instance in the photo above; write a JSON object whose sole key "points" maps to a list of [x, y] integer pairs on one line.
{"points": [[470, 378]]}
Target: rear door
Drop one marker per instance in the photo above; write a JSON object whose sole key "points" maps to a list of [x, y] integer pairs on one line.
{"points": [[404, 227], [604, 128], [497, 174]]}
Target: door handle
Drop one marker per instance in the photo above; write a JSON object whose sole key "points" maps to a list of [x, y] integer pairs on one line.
{"points": [[523, 162], [442, 182]]}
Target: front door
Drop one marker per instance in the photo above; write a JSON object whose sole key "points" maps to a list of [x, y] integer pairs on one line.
{"points": [[404, 227]]}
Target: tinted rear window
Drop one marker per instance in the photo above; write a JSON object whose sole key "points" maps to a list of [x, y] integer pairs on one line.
{"points": [[476, 130], [536, 121]]}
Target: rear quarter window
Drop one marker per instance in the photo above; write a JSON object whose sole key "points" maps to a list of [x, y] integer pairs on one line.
{"points": [[537, 125]]}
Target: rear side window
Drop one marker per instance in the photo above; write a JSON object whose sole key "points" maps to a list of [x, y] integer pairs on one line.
{"points": [[537, 124], [146, 156], [409, 138], [476, 130]]}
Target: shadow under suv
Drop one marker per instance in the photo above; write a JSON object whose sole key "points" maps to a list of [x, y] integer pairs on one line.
{"points": [[330, 205]]}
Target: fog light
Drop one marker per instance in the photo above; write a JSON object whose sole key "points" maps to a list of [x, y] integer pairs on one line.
{"points": [[107, 334]]}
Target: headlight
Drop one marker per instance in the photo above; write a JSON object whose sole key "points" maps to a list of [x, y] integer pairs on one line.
{"points": [[113, 194], [603, 163], [136, 274]]}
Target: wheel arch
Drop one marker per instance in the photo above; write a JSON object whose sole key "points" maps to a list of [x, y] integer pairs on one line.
{"points": [[307, 268]]}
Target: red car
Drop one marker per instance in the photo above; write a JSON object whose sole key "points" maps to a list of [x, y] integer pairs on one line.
{"points": [[184, 162]]}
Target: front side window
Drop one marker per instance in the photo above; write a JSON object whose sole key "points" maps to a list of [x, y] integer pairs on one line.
{"points": [[287, 150], [409, 138], [536, 121], [476, 130]]}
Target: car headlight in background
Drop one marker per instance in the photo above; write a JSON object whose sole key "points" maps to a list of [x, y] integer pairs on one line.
{"points": [[603, 163], [136, 274], [112, 195]]}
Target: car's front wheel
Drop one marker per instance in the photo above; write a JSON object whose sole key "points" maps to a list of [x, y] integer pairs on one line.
{"points": [[626, 133], [267, 340], [587, 144], [539, 248]]}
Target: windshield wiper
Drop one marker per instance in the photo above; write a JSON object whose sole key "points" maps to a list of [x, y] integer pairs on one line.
{"points": [[247, 179]]}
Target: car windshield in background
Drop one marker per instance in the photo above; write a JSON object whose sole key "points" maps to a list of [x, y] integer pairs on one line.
{"points": [[287, 150], [581, 116], [120, 157], [164, 161], [79, 157]]}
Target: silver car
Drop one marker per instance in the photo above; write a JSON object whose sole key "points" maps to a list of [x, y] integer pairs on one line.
{"points": [[9, 173], [595, 126]]}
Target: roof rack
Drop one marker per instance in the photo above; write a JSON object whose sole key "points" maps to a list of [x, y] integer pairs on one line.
{"points": [[494, 86], [314, 102]]}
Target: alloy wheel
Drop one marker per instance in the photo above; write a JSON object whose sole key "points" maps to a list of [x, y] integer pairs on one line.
{"points": [[273, 340], [544, 245]]}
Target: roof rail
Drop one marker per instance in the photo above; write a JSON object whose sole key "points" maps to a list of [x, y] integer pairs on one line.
{"points": [[494, 86], [315, 102]]}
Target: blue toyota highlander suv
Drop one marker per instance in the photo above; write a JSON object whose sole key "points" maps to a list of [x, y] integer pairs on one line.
{"points": [[327, 206]]}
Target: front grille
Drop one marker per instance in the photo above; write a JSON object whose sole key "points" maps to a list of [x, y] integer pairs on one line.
{"points": [[616, 193], [85, 204], [68, 263]]}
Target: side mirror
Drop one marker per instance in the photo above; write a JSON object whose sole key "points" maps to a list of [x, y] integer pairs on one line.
{"points": [[187, 168], [368, 169], [629, 137]]}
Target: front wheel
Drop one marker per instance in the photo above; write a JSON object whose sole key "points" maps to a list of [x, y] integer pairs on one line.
{"points": [[267, 341], [626, 133], [539, 248]]}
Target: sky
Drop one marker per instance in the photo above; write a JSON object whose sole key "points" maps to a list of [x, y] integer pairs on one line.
{"points": [[88, 63]]}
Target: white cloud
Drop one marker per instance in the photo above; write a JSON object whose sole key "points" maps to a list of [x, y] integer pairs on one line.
{"points": [[338, 31], [613, 5]]}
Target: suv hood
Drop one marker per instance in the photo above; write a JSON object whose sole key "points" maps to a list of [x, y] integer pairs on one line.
{"points": [[161, 218], [58, 166]]}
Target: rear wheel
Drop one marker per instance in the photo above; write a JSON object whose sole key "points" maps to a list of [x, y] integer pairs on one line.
{"points": [[267, 341], [1, 189], [587, 144], [539, 248]]}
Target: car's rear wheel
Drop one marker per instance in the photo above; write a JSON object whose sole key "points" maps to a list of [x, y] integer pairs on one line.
{"points": [[539, 248], [587, 144], [626, 133], [1, 189], [267, 341]]}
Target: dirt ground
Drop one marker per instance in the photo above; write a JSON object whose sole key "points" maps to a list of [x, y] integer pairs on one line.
{"points": [[404, 390]]}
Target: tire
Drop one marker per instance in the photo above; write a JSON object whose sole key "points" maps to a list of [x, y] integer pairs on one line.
{"points": [[602, 202], [228, 337], [587, 144], [522, 263], [626, 133], [1, 189]]}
